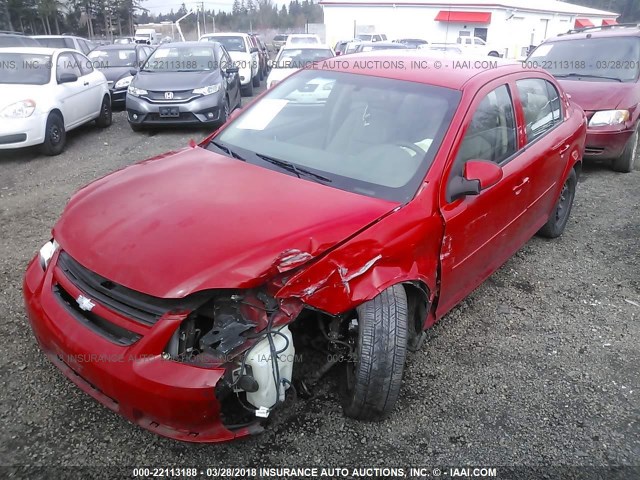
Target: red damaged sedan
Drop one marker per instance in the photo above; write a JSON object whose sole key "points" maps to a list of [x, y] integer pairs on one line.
{"points": [[347, 209]]}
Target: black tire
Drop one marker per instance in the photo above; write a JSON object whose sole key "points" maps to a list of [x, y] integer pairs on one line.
{"points": [[247, 90], [624, 163], [562, 209], [261, 74], [105, 118], [255, 81], [55, 136], [375, 376], [135, 127]]}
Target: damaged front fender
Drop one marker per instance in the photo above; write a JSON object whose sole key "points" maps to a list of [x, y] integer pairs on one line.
{"points": [[402, 247]]}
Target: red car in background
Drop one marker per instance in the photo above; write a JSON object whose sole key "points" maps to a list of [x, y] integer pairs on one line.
{"points": [[599, 67], [176, 291]]}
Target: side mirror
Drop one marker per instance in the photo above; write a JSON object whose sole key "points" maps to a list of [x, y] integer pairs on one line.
{"points": [[338, 54], [478, 175], [68, 78], [133, 72]]}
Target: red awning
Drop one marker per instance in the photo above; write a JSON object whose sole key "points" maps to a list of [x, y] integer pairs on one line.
{"points": [[609, 21], [583, 22], [463, 17]]}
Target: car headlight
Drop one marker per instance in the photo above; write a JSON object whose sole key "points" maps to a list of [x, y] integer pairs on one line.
{"points": [[210, 90], [123, 82], [21, 109], [46, 253], [136, 92], [609, 117]]}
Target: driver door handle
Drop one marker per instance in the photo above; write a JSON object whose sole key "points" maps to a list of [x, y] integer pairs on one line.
{"points": [[521, 184], [86, 84]]}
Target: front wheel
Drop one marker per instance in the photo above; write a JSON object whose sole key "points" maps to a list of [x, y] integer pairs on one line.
{"points": [[256, 80], [105, 117], [560, 214], [624, 163], [248, 90], [375, 375], [55, 135]]}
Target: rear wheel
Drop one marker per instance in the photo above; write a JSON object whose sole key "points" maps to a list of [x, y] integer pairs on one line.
{"points": [[105, 117], [55, 135], [375, 375], [624, 163], [560, 214]]}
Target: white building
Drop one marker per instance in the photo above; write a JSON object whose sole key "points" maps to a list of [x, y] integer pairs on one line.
{"points": [[513, 25]]}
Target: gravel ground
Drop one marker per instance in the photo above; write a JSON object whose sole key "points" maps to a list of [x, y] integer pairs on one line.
{"points": [[539, 366]]}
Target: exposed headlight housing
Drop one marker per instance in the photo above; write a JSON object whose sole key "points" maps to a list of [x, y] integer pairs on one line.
{"points": [[123, 82], [21, 109], [46, 253], [136, 92], [609, 117], [209, 90]]}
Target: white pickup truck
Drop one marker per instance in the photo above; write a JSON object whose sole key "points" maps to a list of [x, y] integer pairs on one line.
{"points": [[479, 47], [147, 35]]}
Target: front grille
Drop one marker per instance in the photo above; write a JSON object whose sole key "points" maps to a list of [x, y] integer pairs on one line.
{"points": [[143, 308], [99, 325], [178, 96], [593, 150]]}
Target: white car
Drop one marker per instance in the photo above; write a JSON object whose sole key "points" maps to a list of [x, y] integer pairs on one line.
{"points": [[244, 56], [292, 58], [46, 92], [477, 46], [80, 44], [302, 38]]}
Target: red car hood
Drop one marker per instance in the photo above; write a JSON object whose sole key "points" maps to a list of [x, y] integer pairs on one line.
{"points": [[597, 95], [195, 220]]}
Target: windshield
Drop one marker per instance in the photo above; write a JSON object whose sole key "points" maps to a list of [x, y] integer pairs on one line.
{"points": [[143, 35], [369, 48], [25, 69], [300, 40], [301, 57], [55, 42], [280, 38], [123, 41], [597, 59], [175, 59], [113, 58], [366, 38], [232, 44], [369, 135]]}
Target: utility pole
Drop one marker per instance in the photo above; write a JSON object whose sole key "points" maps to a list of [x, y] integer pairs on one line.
{"points": [[204, 18]]}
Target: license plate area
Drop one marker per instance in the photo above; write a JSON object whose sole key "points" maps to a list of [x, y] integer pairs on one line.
{"points": [[170, 112]]}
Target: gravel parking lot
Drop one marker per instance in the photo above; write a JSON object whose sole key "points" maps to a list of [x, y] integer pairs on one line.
{"points": [[539, 366]]}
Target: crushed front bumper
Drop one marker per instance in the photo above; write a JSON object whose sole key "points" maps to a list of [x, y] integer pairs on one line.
{"points": [[171, 399], [606, 144]]}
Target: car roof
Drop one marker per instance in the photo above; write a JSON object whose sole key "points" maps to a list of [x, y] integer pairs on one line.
{"points": [[184, 44], [306, 46], [58, 36], [449, 75], [623, 30], [120, 46], [225, 34], [385, 44], [36, 50]]}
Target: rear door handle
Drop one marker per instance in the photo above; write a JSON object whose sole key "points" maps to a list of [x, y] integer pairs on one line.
{"points": [[562, 148], [518, 187], [86, 84]]}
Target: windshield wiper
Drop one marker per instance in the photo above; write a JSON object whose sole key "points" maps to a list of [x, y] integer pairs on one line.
{"points": [[575, 74], [224, 148], [291, 167]]}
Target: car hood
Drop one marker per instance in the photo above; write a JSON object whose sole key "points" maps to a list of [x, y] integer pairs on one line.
{"points": [[194, 220], [597, 95], [280, 74], [175, 80], [113, 74]]}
